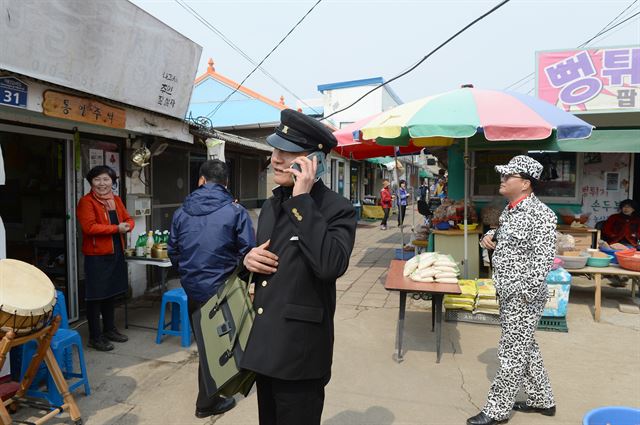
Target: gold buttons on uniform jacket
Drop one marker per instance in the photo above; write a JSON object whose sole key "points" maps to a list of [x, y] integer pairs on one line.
{"points": [[260, 310], [264, 283], [296, 214]]}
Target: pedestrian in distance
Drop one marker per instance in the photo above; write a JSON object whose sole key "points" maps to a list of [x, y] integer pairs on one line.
{"points": [[210, 234], [305, 235], [402, 199], [423, 202], [386, 201], [524, 249], [104, 221]]}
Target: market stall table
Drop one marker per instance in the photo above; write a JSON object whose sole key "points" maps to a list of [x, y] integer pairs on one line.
{"points": [[583, 236], [597, 273], [164, 264], [397, 282]]}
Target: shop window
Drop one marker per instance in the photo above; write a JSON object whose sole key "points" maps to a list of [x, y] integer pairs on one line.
{"points": [[560, 175], [558, 183], [486, 181]]}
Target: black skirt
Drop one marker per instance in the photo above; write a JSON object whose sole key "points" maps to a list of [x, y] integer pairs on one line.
{"points": [[106, 274]]}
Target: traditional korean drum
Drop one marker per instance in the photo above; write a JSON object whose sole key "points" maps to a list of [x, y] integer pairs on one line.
{"points": [[27, 297]]}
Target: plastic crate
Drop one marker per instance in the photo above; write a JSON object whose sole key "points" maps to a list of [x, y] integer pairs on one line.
{"points": [[554, 324], [467, 316]]}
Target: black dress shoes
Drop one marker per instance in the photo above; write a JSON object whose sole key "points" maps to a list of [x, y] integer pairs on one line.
{"points": [[482, 419], [222, 405], [115, 336], [522, 406], [100, 344]]}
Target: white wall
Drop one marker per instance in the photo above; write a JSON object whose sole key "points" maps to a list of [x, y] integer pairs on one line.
{"points": [[335, 100]]}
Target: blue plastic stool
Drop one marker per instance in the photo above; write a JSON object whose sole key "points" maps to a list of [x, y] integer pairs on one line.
{"points": [[59, 309], [62, 345], [179, 317]]}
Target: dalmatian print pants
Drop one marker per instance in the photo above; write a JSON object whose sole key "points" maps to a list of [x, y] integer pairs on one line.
{"points": [[520, 360]]}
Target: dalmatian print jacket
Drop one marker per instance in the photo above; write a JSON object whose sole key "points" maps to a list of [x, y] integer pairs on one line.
{"points": [[525, 249]]}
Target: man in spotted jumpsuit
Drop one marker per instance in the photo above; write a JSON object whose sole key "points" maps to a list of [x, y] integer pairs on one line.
{"points": [[524, 249]]}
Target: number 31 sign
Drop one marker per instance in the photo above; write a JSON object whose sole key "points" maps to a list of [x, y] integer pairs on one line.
{"points": [[13, 92]]}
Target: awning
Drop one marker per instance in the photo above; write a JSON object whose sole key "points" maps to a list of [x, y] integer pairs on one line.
{"points": [[425, 174], [380, 160], [605, 141], [242, 141]]}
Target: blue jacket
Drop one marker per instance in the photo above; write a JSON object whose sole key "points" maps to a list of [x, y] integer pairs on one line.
{"points": [[402, 196], [210, 234]]}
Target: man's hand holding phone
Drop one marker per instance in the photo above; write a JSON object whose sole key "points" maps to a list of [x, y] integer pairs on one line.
{"points": [[305, 177]]}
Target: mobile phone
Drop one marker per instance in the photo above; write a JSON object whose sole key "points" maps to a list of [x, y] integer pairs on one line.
{"points": [[320, 170]]}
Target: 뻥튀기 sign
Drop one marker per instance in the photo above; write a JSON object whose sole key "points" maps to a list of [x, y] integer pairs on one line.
{"points": [[590, 79]]}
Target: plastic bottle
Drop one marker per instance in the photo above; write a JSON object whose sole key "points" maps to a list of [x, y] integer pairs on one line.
{"points": [[141, 244], [559, 284], [165, 237], [150, 243]]}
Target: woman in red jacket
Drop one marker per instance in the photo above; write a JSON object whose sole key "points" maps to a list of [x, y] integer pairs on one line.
{"points": [[623, 227], [386, 200], [105, 222]]}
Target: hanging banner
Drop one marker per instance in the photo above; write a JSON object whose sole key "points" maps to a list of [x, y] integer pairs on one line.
{"points": [[606, 79], [215, 148]]}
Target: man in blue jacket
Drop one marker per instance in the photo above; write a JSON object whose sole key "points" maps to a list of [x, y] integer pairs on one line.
{"points": [[210, 234]]}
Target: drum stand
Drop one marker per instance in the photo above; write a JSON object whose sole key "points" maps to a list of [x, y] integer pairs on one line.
{"points": [[43, 337]]}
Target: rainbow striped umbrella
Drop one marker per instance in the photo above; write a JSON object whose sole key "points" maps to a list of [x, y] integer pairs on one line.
{"points": [[466, 112]]}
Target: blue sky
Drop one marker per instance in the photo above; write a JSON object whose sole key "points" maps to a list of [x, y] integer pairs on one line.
{"points": [[354, 39]]}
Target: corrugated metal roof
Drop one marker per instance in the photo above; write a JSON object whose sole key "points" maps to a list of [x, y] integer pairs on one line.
{"points": [[242, 141]]}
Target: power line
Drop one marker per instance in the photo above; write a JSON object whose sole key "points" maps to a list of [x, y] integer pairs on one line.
{"points": [[423, 59], [212, 113], [235, 47], [609, 29], [516, 85], [610, 22]]}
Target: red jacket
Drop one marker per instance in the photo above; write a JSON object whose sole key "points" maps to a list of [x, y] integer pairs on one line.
{"points": [[97, 229], [385, 198], [622, 228]]}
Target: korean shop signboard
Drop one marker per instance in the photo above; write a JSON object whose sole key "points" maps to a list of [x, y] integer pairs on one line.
{"points": [[108, 48], [590, 80]]}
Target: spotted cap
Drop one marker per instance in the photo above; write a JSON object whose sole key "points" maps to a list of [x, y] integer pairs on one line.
{"points": [[521, 164]]}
